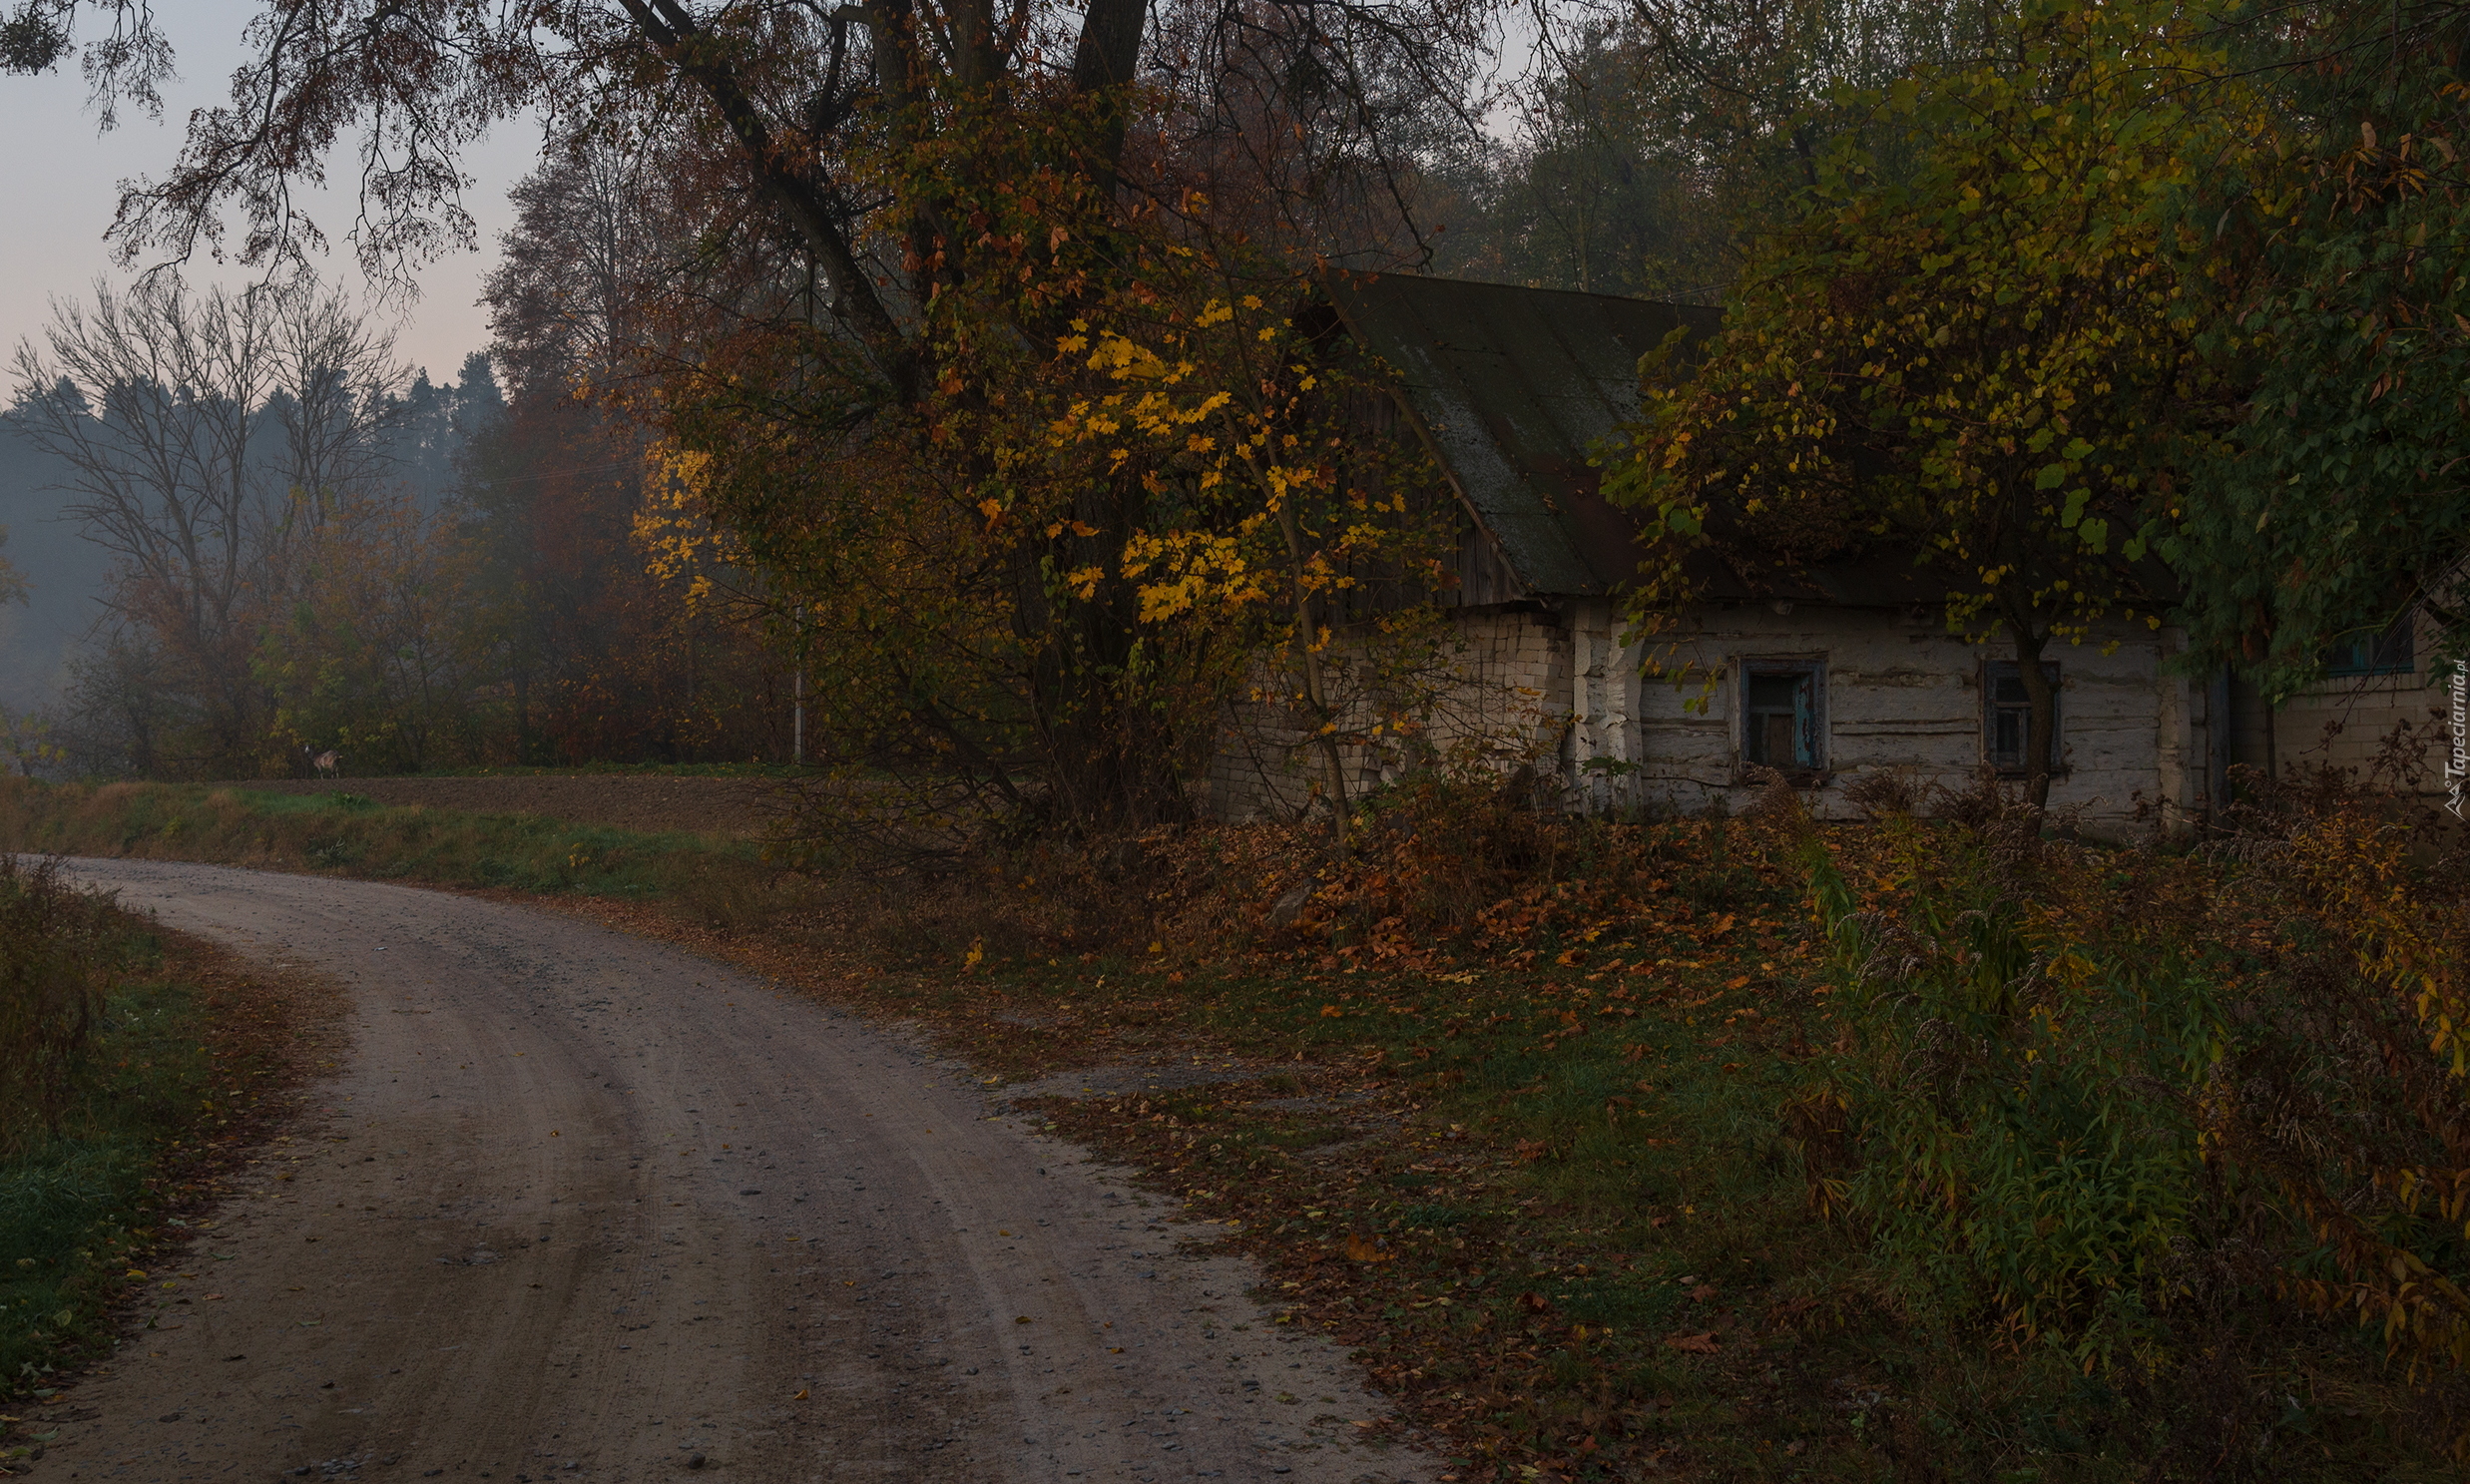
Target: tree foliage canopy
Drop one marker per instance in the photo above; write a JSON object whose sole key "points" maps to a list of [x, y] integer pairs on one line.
{"points": [[836, 289], [2328, 491], [1969, 367]]}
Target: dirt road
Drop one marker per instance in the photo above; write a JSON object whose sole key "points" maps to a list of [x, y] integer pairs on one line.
{"points": [[580, 1205]]}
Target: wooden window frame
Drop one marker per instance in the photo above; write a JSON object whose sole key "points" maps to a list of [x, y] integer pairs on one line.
{"points": [[1811, 671], [2389, 652], [1992, 672]]}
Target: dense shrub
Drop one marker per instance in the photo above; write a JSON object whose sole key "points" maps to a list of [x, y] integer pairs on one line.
{"points": [[2188, 1122], [52, 965]]}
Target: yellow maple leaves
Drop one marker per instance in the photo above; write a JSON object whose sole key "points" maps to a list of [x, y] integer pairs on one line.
{"points": [[1200, 435], [678, 543]]}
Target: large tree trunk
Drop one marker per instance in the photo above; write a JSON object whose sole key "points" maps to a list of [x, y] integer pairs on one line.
{"points": [[2041, 731], [1101, 66], [1316, 691]]}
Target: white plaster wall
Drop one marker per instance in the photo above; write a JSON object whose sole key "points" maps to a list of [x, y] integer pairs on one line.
{"points": [[1508, 705], [1903, 692], [1563, 689]]}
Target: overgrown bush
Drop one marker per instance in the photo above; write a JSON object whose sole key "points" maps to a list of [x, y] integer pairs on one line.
{"points": [[54, 963], [1472, 863], [2187, 1128]]}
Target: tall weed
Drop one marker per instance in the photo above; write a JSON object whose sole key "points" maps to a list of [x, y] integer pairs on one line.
{"points": [[2189, 1126], [53, 964]]}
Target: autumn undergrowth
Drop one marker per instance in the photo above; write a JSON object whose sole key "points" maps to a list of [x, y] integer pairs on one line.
{"points": [[1738, 1148], [2181, 1136], [1496, 1104], [130, 1064]]}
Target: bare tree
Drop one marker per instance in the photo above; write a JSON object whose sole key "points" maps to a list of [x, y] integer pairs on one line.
{"points": [[202, 433], [585, 254], [335, 396]]}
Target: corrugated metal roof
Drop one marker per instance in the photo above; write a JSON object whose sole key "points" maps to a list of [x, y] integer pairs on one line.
{"points": [[1513, 387]]}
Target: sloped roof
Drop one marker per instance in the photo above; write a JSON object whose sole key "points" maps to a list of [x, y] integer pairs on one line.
{"points": [[1513, 387]]}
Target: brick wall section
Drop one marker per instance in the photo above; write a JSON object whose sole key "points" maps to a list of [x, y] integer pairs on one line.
{"points": [[2344, 721]]}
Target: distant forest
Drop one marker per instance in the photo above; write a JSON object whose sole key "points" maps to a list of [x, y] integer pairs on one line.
{"points": [[66, 572], [419, 574]]}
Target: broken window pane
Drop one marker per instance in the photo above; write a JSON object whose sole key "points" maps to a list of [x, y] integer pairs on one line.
{"points": [[1781, 716]]}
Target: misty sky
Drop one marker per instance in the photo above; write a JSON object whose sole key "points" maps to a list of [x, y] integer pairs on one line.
{"points": [[58, 178]]}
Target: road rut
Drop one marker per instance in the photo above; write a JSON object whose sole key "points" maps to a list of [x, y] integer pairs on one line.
{"points": [[582, 1206]]}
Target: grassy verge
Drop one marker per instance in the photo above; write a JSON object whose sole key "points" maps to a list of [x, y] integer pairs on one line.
{"points": [[178, 1059], [1533, 1115], [614, 770], [718, 875]]}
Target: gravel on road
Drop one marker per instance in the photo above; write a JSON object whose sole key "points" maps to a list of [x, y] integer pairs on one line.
{"points": [[580, 1205]]}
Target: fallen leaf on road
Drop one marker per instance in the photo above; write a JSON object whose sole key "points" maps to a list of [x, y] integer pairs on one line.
{"points": [[1696, 1344], [800, 1396], [1021, 1320]]}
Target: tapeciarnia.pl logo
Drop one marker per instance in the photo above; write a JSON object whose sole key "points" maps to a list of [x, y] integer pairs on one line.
{"points": [[2457, 762]]}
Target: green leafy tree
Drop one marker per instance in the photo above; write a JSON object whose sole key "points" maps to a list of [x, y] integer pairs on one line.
{"points": [[1969, 367], [2327, 491]]}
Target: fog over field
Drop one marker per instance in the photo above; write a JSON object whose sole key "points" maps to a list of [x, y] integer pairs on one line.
{"points": [[61, 201], [64, 570]]}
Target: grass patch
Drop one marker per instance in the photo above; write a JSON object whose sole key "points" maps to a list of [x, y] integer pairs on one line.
{"points": [[184, 1059], [723, 879], [75, 1206]]}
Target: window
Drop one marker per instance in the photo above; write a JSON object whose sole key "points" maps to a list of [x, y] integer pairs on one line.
{"points": [[1782, 720], [2007, 716], [2389, 653]]}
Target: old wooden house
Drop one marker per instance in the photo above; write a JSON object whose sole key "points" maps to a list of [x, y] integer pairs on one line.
{"points": [[1824, 677]]}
